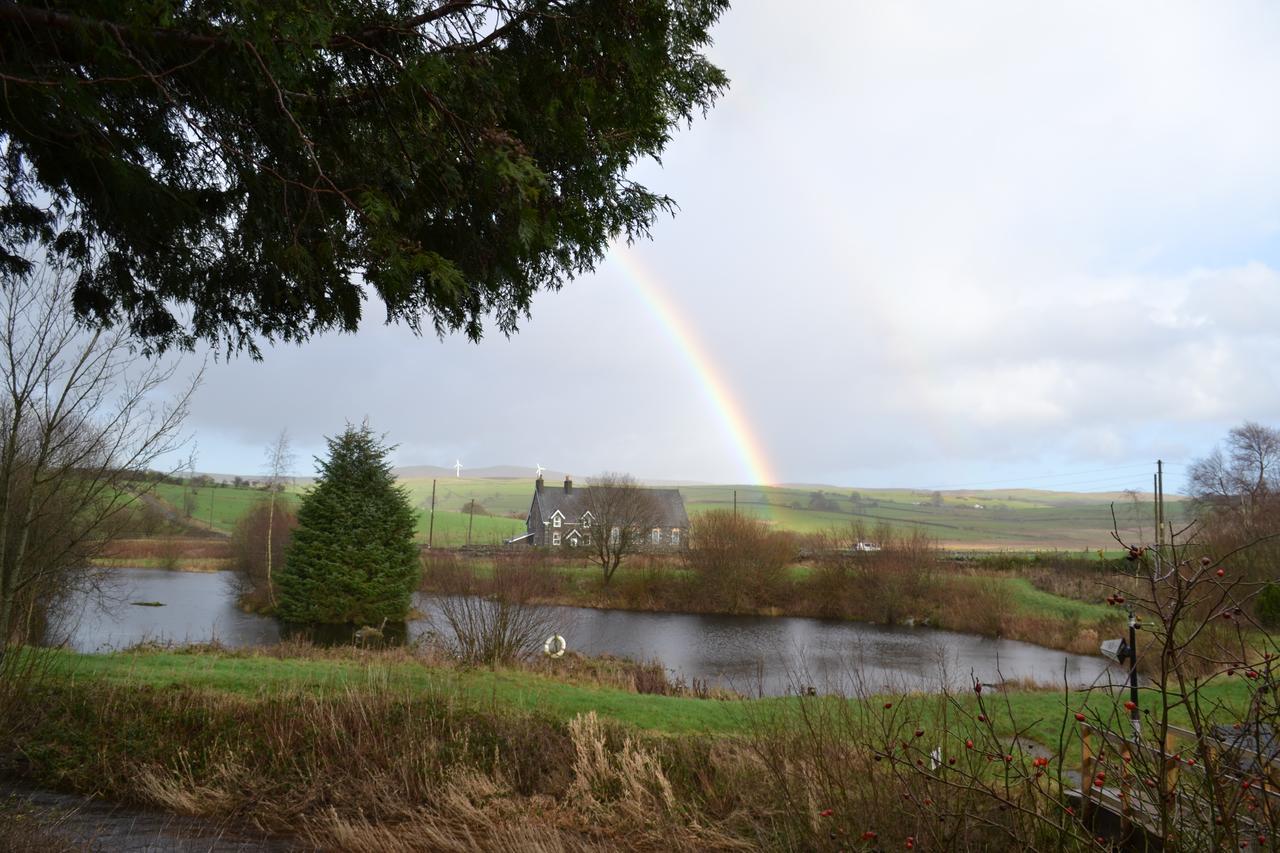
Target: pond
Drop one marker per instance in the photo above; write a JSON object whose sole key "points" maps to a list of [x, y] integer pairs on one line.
{"points": [[755, 655]]}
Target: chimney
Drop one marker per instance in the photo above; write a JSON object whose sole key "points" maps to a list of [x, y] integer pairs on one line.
{"points": [[537, 484], [568, 486]]}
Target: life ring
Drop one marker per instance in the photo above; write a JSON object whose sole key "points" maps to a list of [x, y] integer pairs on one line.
{"points": [[555, 646]]}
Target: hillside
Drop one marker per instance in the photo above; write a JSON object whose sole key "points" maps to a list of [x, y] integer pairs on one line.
{"points": [[1014, 519]]}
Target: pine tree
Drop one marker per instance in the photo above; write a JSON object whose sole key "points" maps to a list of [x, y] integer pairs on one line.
{"points": [[352, 558]]}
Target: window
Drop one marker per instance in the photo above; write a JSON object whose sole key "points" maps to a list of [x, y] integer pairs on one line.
{"points": [[555, 520], [573, 541], [586, 540], [675, 536], [614, 536], [586, 520], [657, 536], [555, 538]]}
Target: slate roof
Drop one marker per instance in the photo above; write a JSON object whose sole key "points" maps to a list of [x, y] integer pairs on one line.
{"points": [[575, 503]]}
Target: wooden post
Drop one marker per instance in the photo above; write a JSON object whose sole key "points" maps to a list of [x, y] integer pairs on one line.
{"points": [[471, 520]]}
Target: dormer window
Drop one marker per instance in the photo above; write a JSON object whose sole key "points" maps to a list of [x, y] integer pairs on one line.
{"points": [[586, 520], [556, 518]]}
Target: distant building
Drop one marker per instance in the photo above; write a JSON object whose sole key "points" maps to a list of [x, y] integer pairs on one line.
{"points": [[561, 517]]}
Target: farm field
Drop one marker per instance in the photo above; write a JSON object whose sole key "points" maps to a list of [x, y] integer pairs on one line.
{"points": [[1011, 519]]}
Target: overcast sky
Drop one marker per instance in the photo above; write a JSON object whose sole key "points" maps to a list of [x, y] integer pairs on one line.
{"points": [[927, 244]]}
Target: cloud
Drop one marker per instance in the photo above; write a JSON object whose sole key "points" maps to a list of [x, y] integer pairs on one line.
{"points": [[924, 241]]}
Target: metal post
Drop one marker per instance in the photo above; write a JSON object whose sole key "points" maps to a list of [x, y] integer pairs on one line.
{"points": [[1134, 717]]}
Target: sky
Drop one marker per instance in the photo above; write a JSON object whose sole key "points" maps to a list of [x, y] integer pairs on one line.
{"points": [[928, 244]]}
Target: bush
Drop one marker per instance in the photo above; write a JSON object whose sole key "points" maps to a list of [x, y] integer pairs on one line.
{"points": [[255, 575], [495, 620], [1267, 605], [738, 561]]}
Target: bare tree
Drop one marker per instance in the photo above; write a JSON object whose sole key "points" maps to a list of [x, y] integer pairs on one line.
{"points": [[623, 512], [1246, 475], [279, 462], [79, 426]]}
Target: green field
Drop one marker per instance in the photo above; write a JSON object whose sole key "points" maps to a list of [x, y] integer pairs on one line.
{"points": [[1011, 519], [220, 507]]}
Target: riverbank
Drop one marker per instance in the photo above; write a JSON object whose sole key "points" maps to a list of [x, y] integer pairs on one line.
{"points": [[359, 750]]}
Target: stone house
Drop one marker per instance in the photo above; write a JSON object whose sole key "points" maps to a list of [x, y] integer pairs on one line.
{"points": [[561, 517]]}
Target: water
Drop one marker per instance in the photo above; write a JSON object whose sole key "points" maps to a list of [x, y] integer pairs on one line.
{"points": [[751, 654]]}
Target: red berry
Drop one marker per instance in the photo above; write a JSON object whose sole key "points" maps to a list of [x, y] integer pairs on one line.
{"points": [[982, 718], [1079, 717], [1220, 573], [919, 732], [977, 687], [1130, 705], [888, 705], [825, 813], [869, 835], [968, 744]]}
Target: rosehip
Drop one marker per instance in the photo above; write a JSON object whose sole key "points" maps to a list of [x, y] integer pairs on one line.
{"points": [[1220, 573]]}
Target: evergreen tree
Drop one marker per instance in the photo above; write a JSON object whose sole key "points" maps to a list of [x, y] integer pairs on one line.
{"points": [[239, 170], [352, 558]]}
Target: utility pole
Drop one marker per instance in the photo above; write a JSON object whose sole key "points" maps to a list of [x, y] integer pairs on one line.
{"points": [[1155, 507], [1160, 495], [431, 525], [471, 520]]}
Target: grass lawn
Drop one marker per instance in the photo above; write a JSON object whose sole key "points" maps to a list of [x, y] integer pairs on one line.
{"points": [[1039, 715]]}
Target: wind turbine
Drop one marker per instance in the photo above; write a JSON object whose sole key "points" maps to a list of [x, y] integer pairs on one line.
{"points": [[457, 468], [540, 470]]}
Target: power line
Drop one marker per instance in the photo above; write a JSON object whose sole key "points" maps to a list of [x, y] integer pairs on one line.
{"points": [[1007, 481]]}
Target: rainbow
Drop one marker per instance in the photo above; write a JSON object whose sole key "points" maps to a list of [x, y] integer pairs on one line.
{"points": [[718, 391]]}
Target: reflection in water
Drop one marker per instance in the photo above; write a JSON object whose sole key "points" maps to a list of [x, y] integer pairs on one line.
{"points": [[751, 654]]}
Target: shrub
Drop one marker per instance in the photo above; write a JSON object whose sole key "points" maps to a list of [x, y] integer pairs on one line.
{"points": [[495, 620], [1267, 605], [739, 562], [249, 549]]}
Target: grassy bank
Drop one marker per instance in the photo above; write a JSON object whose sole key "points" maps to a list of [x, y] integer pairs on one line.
{"points": [[383, 751]]}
